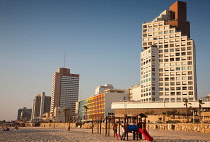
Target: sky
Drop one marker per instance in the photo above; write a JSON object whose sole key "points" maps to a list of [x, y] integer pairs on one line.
{"points": [[100, 39]]}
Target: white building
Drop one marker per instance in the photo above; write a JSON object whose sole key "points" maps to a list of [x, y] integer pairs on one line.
{"points": [[65, 90], [168, 63], [135, 93], [103, 88]]}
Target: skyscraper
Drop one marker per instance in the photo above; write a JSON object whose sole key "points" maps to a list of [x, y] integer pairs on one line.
{"points": [[168, 63], [41, 105], [65, 90]]}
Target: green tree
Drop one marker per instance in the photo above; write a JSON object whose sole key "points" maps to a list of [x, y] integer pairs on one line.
{"points": [[186, 103], [200, 103], [173, 112], [86, 108]]}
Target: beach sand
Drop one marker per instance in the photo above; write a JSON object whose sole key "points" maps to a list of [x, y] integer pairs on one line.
{"points": [[45, 134]]}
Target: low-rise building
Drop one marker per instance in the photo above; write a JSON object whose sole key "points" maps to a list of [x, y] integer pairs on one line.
{"points": [[98, 106], [158, 108]]}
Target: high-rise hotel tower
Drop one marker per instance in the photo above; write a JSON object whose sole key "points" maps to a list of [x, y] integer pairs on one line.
{"points": [[168, 63], [65, 90]]}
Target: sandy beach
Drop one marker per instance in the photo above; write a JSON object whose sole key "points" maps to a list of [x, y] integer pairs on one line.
{"points": [[44, 134]]}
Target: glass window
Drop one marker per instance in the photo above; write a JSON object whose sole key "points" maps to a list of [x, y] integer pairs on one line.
{"points": [[150, 30], [171, 31], [178, 93], [178, 99]]}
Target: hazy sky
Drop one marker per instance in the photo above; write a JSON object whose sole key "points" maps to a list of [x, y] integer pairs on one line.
{"points": [[100, 38]]}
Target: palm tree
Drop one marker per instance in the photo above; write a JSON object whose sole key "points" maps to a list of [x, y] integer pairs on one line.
{"points": [[200, 102], [173, 113], [186, 103], [86, 108]]}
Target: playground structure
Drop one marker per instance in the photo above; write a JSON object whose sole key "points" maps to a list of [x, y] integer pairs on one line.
{"points": [[135, 124]]}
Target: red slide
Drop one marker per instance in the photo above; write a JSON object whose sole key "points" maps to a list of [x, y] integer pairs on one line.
{"points": [[146, 134]]}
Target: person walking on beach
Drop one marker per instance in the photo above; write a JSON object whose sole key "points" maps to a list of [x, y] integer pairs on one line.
{"points": [[115, 129], [123, 133]]}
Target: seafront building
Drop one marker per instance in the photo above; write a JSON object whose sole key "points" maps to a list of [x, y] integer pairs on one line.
{"points": [[168, 63], [65, 91], [135, 93], [98, 106], [41, 105], [168, 69], [24, 114]]}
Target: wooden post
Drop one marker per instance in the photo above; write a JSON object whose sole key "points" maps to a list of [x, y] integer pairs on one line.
{"points": [[92, 127], [113, 125], [100, 126], [109, 127], [140, 126], [119, 127], [106, 127], [126, 127]]}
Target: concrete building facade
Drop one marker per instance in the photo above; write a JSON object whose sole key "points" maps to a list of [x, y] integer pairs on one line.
{"points": [[41, 105], [65, 90], [168, 59], [135, 93], [24, 114]]}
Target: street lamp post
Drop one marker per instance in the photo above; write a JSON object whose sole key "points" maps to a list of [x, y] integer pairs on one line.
{"points": [[124, 106]]}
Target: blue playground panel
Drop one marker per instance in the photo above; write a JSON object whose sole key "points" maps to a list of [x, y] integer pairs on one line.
{"points": [[132, 128]]}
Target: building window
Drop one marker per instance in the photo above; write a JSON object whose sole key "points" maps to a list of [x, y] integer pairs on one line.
{"points": [[171, 31], [178, 93], [190, 93], [172, 93], [184, 88], [190, 77], [172, 99], [178, 99], [178, 88], [172, 83], [166, 79], [190, 88], [190, 83], [150, 30]]}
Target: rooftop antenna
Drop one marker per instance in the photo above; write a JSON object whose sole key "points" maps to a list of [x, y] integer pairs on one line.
{"points": [[64, 60]]}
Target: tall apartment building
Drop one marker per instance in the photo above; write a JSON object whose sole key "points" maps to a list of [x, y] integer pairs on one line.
{"points": [[41, 105], [168, 63], [65, 90]]}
